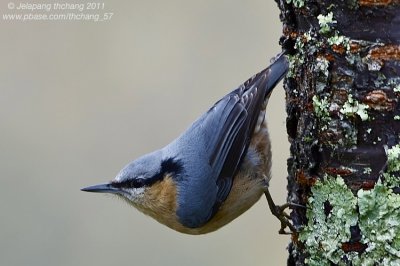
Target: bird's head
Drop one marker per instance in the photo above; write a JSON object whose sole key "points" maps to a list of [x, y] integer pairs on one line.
{"points": [[144, 182], [132, 182]]}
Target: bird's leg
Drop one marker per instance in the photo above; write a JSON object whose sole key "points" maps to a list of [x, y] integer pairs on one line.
{"points": [[279, 212]]}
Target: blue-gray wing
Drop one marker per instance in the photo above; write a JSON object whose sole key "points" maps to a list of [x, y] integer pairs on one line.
{"points": [[225, 131]]}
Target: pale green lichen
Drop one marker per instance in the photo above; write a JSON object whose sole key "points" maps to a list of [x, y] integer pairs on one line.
{"points": [[367, 170], [379, 221], [391, 180], [352, 107], [333, 209], [296, 3], [322, 66], [393, 165], [321, 106], [307, 36], [393, 159], [324, 234], [306, 44], [339, 40], [376, 212], [298, 45], [325, 22], [296, 60], [321, 110]]}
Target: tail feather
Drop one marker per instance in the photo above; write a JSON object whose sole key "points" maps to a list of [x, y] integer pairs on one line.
{"points": [[277, 70]]}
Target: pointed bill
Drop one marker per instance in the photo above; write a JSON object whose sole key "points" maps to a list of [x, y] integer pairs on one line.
{"points": [[101, 188]]}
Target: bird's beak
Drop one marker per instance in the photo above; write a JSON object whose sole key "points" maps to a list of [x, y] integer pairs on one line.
{"points": [[101, 188]]}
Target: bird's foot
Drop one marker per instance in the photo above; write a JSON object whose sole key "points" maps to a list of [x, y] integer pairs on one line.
{"points": [[279, 212]]}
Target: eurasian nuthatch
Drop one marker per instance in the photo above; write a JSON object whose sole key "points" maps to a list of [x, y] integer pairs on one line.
{"points": [[212, 173]]}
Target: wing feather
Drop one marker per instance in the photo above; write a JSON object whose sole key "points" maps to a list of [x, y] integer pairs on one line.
{"points": [[227, 129]]}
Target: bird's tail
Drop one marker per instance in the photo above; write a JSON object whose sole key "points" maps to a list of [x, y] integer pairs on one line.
{"points": [[276, 71]]}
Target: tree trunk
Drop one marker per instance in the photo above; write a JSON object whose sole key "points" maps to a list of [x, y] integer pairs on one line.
{"points": [[343, 123]]}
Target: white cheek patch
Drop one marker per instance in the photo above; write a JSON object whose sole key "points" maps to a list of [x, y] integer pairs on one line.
{"points": [[135, 194]]}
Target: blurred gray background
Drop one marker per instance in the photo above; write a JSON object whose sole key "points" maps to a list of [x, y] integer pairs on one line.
{"points": [[80, 99]]}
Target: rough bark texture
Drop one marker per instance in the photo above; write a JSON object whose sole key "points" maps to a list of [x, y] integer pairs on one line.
{"points": [[343, 123]]}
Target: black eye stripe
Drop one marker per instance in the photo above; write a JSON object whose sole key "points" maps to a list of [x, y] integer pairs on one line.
{"points": [[169, 166], [129, 183]]}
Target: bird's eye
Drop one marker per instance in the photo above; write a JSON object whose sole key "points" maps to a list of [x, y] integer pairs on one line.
{"points": [[129, 183]]}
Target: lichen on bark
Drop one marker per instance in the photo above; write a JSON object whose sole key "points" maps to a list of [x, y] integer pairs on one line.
{"points": [[342, 93]]}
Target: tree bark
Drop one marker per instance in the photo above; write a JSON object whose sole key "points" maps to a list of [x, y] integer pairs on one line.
{"points": [[342, 99]]}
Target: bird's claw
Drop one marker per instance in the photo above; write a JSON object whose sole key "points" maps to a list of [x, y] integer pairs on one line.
{"points": [[279, 212]]}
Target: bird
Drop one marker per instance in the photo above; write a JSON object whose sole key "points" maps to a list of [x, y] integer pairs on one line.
{"points": [[215, 170]]}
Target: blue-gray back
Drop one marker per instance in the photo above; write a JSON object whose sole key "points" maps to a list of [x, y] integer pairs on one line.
{"points": [[212, 148]]}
